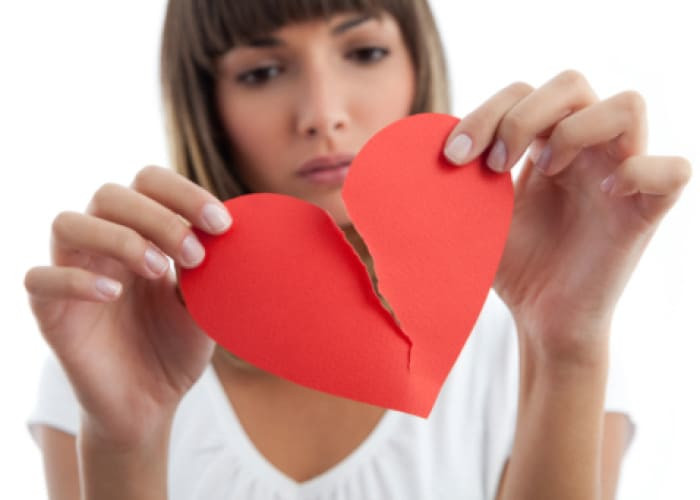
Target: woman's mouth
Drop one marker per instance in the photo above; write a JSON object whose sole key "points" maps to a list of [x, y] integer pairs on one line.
{"points": [[329, 170]]}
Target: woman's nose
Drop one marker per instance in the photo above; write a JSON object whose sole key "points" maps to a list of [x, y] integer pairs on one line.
{"points": [[322, 107]]}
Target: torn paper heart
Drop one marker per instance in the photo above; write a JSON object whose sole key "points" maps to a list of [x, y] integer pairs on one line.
{"points": [[284, 290]]}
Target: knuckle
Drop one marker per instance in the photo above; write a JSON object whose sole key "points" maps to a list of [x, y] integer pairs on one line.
{"points": [[103, 196], [62, 223], [520, 88], [145, 177], [683, 170], [563, 136], [575, 82], [633, 102], [514, 124], [128, 244], [31, 279], [572, 77]]}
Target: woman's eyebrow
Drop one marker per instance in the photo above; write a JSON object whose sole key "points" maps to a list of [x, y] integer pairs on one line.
{"points": [[271, 41]]}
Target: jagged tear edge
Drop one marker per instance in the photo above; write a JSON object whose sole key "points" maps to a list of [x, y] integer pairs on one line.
{"points": [[376, 292]]}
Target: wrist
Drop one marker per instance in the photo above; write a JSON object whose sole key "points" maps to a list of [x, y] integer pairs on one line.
{"points": [[113, 468], [574, 347], [557, 447], [126, 432], [96, 438]]}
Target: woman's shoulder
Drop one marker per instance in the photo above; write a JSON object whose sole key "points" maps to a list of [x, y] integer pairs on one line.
{"points": [[56, 404]]}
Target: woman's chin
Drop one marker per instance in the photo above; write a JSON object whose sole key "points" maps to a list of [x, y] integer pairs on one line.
{"points": [[336, 209], [342, 220]]}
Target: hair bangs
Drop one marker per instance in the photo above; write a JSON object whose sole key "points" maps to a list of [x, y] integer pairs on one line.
{"points": [[224, 24]]}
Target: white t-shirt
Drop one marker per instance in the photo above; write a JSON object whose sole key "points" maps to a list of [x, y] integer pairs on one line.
{"points": [[458, 452]]}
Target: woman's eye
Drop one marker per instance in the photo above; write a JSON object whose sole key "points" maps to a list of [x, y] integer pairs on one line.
{"points": [[368, 54], [258, 76]]}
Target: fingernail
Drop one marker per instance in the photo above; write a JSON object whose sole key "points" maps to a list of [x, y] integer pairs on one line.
{"points": [[608, 183], [216, 217], [107, 287], [543, 161], [458, 149], [155, 261], [192, 250], [497, 157]]}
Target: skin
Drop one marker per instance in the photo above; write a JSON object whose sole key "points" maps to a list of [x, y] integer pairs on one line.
{"points": [[562, 296], [581, 221], [309, 99]]}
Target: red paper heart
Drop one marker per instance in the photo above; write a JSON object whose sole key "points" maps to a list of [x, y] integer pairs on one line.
{"points": [[284, 290]]}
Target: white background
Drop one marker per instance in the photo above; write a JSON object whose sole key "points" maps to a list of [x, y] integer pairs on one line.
{"points": [[79, 106]]}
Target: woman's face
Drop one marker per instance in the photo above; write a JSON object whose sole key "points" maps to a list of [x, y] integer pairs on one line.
{"points": [[299, 103]]}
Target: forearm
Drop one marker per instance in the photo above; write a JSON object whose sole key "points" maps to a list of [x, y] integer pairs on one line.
{"points": [[134, 472], [558, 439]]}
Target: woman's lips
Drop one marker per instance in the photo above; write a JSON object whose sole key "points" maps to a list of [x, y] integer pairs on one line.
{"points": [[329, 170]]}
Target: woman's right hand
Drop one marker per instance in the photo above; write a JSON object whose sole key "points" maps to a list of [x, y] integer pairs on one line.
{"points": [[130, 354]]}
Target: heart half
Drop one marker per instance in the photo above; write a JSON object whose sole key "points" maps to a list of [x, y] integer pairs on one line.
{"points": [[285, 291]]}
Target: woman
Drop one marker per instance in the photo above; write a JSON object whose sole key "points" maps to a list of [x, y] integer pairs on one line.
{"points": [[254, 91]]}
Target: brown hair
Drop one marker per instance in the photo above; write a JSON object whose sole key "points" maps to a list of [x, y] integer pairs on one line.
{"points": [[197, 32]]}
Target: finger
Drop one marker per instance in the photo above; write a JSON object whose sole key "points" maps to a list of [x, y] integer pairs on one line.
{"points": [[537, 115], [660, 177], [153, 221], [178, 291], [53, 282], [182, 196], [474, 132], [75, 232], [621, 118]]}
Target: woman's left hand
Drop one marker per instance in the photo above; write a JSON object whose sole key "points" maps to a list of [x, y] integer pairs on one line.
{"points": [[582, 216]]}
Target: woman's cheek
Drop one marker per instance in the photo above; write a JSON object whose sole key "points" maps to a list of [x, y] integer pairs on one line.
{"points": [[254, 132]]}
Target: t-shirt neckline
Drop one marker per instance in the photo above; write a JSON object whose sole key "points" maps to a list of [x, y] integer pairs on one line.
{"points": [[241, 445]]}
